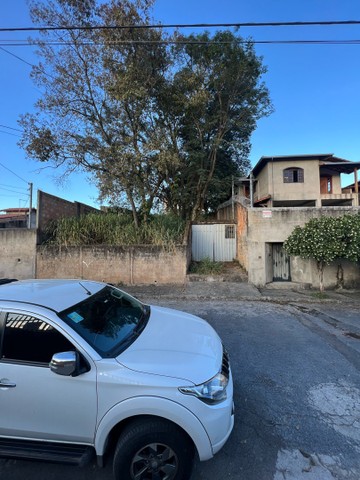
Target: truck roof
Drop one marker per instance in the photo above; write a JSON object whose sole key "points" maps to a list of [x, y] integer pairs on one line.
{"points": [[56, 295]]}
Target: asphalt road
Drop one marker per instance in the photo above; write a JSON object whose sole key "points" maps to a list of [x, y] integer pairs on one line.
{"points": [[297, 392]]}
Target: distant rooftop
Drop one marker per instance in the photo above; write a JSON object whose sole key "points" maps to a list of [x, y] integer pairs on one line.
{"points": [[14, 215], [15, 210]]}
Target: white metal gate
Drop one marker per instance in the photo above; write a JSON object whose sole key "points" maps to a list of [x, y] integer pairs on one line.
{"points": [[216, 241]]}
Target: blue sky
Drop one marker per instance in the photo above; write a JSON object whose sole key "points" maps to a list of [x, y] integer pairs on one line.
{"points": [[314, 88]]}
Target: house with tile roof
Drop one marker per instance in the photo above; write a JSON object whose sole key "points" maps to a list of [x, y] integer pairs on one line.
{"points": [[280, 193], [17, 218]]}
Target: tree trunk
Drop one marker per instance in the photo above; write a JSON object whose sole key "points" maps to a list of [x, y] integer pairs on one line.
{"points": [[320, 265], [133, 208], [340, 276], [186, 237], [203, 186]]}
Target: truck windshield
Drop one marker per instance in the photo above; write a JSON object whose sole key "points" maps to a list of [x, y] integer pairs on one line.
{"points": [[109, 320]]}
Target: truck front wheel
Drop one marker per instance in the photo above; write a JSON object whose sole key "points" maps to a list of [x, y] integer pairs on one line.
{"points": [[153, 449]]}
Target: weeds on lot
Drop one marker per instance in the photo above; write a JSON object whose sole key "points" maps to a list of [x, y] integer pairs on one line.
{"points": [[206, 267], [320, 295], [114, 229]]}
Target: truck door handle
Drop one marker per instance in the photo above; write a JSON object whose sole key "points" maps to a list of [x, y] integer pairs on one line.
{"points": [[6, 384]]}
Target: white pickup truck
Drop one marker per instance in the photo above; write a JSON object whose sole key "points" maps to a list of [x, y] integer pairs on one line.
{"points": [[87, 369]]}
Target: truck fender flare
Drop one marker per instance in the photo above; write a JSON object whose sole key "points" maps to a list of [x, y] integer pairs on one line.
{"points": [[158, 407]]}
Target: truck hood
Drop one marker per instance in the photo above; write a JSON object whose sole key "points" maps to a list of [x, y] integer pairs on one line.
{"points": [[175, 344]]}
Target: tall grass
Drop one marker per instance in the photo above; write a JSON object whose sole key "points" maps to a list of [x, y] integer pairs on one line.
{"points": [[114, 229]]}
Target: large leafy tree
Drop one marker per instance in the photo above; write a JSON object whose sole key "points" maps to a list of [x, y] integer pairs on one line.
{"points": [[210, 107], [97, 107], [325, 240], [158, 123]]}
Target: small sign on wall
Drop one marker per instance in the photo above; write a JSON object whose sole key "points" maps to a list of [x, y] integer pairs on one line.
{"points": [[267, 213]]}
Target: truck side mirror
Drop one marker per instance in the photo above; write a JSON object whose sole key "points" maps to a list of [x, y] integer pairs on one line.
{"points": [[64, 363]]}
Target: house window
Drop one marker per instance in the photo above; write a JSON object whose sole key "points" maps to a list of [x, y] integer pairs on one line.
{"points": [[229, 231], [293, 175]]}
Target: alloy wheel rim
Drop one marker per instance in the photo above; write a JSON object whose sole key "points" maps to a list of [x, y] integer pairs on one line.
{"points": [[155, 461]]}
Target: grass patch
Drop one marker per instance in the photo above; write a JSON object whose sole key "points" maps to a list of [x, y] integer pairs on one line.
{"points": [[115, 229], [206, 267], [319, 295]]}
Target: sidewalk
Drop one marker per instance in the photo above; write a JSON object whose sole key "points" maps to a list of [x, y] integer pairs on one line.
{"points": [[232, 291]]}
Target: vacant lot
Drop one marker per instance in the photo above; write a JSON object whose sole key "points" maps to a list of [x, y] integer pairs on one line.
{"points": [[297, 392]]}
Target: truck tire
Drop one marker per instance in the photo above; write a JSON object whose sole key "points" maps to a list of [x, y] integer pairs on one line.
{"points": [[153, 449]]}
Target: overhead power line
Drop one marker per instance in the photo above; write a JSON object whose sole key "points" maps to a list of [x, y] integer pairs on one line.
{"points": [[7, 196], [14, 191], [27, 63], [16, 175], [11, 128], [184, 25], [12, 186], [9, 133], [19, 58], [23, 43], [184, 42]]}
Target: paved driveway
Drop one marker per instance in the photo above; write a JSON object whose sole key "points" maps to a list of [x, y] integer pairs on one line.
{"points": [[297, 392]]}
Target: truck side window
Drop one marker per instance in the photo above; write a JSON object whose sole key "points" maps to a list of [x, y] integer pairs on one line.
{"points": [[29, 339]]}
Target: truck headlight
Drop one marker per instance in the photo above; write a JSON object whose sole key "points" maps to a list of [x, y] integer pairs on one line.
{"points": [[211, 392]]}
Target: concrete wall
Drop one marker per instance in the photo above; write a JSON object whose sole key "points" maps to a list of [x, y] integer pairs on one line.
{"points": [[20, 257], [17, 253], [341, 273], [262, 186], [128, 265], [266, 226], [336, 184]]}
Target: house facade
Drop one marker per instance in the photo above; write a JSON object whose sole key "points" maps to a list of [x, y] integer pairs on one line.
{"points": [[17, 218], [283, 192]]}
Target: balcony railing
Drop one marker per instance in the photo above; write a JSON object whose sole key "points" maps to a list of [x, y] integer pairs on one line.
{"points": [[352, 198]]}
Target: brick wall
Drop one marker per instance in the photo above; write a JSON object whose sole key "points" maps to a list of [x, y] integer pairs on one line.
{"points": [[241, 215], [50, 207]]}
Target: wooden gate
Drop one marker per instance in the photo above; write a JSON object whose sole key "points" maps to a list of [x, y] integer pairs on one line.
{"points": [[281, 263], [214, 241]]}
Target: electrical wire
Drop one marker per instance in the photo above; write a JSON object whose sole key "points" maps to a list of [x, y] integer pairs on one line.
{"points": [[16, 56], [11, 128], [264, 42], [12, 186], [9, 133], [27, 63], [16, 175], [8, 196], [184, 25], [185, 42], [13, 191]]}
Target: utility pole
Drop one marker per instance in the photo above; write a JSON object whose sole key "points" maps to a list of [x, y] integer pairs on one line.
{"points": [[30, 203]]}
